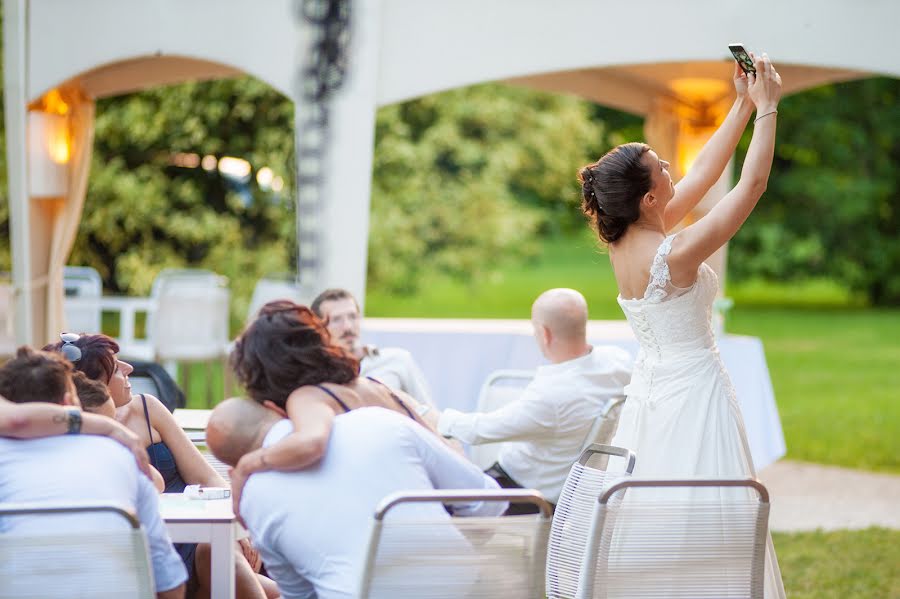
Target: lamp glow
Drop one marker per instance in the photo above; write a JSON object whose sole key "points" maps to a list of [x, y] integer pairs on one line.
{"points": [[689, 147], [50, 149]]}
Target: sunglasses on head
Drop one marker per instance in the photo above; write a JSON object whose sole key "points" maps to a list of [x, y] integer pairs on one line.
{"points": [[69, 350]]}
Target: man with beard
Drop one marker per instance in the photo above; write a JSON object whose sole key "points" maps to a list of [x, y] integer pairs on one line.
{"points": [[392, 366]]}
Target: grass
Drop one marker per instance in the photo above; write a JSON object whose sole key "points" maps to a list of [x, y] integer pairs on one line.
{"points": [[840, 564], [836, 380]]}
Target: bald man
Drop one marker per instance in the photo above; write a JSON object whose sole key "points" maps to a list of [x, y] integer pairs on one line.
{"points": [[312, 526], [545, 430]]}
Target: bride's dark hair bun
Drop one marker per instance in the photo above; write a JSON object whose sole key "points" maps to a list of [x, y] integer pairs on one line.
{"points": [[612, 188]]}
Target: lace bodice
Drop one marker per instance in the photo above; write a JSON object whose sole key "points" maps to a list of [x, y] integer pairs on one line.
{"points": [[670, 321]]}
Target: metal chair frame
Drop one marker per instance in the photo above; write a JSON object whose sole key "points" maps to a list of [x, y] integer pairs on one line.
{"points": [[562, 516], [588, 569], [444, 496], [144, 583]]}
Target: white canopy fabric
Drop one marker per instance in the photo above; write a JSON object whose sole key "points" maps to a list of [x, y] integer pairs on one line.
{"points": [[666, 61]]}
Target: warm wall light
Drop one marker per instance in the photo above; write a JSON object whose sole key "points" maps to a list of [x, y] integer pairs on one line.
{"points": [[689, 146], [49, 152]]}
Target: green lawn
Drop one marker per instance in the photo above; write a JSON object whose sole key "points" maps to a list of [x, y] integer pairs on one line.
{"points": [[840, 565], [835, 367], [837, 382]]}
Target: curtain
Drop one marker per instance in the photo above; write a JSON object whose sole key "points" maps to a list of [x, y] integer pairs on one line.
{"points": [[66, 220]]}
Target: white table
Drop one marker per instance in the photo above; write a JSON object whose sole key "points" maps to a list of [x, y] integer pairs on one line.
{"points": [[205, 521], [457, 356]]}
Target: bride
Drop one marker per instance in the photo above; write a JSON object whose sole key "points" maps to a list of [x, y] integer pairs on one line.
{"points": [[681, 417]]}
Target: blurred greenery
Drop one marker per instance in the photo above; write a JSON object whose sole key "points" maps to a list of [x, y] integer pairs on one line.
{"points": [[471, 173], [832, 207], [144, 213]]}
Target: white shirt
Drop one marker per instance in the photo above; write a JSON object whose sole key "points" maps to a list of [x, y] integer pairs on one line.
{"points": [[84, 468], [312, 526], [546, 428], [396, 368]]}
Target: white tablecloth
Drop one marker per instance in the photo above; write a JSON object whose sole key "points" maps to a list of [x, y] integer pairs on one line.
{"points": [[457, 356]]}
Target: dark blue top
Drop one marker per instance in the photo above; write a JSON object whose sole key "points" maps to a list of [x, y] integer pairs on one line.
{"points": [[162, 459]]}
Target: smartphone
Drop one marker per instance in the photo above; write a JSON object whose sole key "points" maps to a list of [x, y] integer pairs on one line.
{"points": [[742, 57]]}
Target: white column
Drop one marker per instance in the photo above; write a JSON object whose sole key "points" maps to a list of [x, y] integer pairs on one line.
{"points": [[14, 91], [344, 219]]}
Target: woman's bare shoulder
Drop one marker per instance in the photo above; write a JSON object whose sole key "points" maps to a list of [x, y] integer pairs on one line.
{"points": [[631, 262]]}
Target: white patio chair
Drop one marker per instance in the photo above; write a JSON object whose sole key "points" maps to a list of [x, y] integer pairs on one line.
{"points": [[500, 388], [455, 557], [90, 564], [190, 321], [83, 289], [221, 468], [570, 530], [677, 539], [198, 438], [268, 289], [604, 427]]}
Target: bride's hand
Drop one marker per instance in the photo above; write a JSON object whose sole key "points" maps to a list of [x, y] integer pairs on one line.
{"points": [[765, 86], [740, 81]]}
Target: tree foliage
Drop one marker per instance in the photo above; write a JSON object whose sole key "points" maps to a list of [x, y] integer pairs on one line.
{"points": [[832, 207], [145, 212], [465, 179]]}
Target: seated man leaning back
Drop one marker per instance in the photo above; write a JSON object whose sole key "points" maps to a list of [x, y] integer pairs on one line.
{"points": [[393, 366], [74, 468], [312, 526], [546, 428]]}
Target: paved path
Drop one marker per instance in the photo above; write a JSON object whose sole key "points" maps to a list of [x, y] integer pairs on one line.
{"points": [[810, 496]]}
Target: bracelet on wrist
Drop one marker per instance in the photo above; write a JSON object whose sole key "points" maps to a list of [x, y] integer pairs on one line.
{"points": [[764, 115]]}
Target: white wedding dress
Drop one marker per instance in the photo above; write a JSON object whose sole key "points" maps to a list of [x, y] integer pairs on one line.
{"points": [[681, 416]]}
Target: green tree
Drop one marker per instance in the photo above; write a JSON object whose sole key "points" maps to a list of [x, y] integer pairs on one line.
{"points": [[832, 207], [145, 212], [465, 179]]}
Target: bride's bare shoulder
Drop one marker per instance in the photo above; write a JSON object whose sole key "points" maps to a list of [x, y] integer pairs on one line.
{"points": [[631, 260]]}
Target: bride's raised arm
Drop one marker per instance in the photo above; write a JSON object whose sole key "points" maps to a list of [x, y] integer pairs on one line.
{"points": [[699, 241], [713, 158]]}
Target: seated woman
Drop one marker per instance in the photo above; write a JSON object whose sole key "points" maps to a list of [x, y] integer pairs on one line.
{"points": [[95, 399], [171, 452], [286, 361]]}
